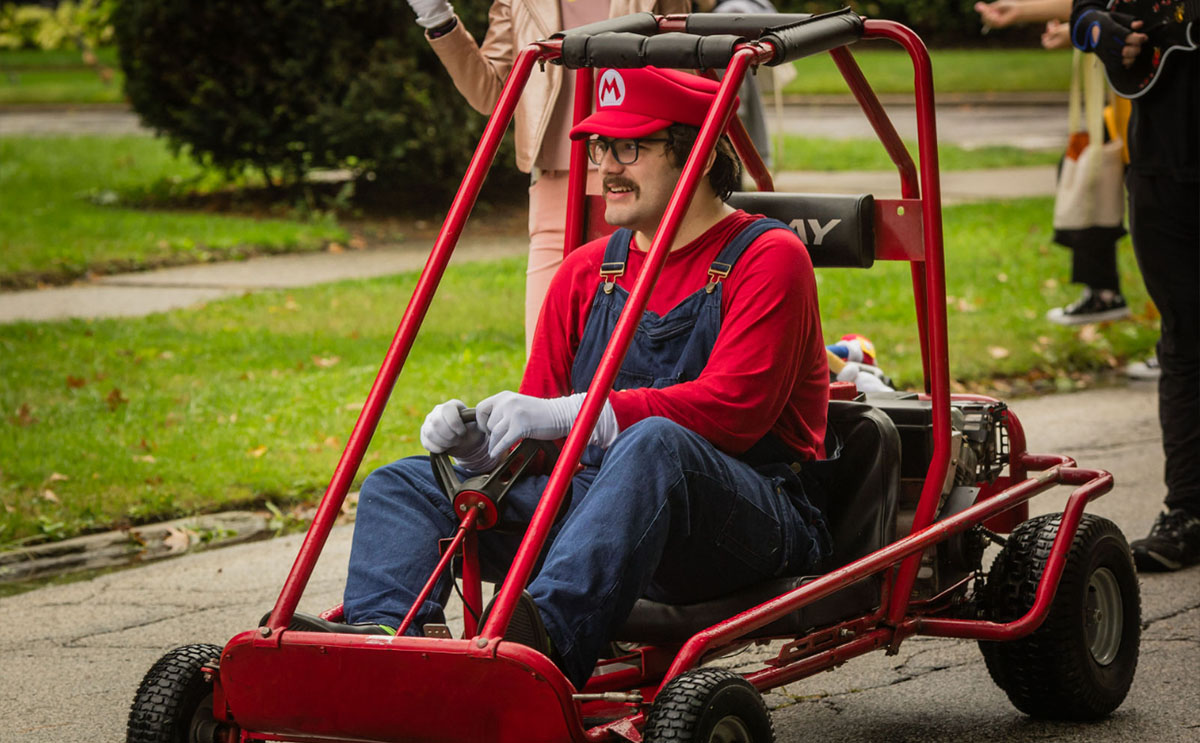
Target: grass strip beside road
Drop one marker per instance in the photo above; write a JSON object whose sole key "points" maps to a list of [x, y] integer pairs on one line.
{"points": [[59, 77], [820, 153], [250, 399], [976, 71], [64, 215]]}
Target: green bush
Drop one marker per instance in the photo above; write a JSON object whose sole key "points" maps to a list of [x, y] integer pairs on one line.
{"points": [[287, 86]]}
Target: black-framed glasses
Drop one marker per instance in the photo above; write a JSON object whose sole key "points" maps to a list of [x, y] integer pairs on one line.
{"points": [[624, 151]]}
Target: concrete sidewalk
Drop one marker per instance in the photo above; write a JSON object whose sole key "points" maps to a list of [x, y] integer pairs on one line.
{"points": [[137, 294]]}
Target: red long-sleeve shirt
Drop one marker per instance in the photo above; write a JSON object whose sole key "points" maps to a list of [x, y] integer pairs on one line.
{"points": [[767, 371]]}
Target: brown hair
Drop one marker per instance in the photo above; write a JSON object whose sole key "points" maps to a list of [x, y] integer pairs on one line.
{"points": [[726, 174]]}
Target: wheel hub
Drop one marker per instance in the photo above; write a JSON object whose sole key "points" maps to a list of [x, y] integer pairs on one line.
{"points": [[1103, 619], [730, 730]]}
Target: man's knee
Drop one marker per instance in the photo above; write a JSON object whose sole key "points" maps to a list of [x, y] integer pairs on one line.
{"points": [[652, 437], [396, 480]]}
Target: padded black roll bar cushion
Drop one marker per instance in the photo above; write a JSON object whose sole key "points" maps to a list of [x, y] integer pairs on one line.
{"points": [[749, 25], [839, 231], [645, 24], [814, 35], [669, 50]]}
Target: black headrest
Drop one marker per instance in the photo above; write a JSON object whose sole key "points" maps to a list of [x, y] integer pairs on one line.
{"points": [[838, 230]]}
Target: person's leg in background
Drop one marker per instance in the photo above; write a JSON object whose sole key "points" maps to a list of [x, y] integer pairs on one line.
{"points": [[1094, 265], [1165, 224], [547, 219]]}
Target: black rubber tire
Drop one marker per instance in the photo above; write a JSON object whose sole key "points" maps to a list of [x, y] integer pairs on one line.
{"points": [[172, 696], [700, 705], [1054, 673]]}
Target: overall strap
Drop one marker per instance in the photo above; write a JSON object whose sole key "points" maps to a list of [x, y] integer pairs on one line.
{"points": [[616, 254], [729, 255]]}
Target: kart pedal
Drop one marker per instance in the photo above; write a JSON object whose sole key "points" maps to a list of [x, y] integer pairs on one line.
{"points": [[439, 631]]}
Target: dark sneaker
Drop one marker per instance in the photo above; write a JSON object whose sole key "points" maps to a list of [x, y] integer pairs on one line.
{"points": [[1092, 306], [526, 626], [308, 623], [1174, 543]]}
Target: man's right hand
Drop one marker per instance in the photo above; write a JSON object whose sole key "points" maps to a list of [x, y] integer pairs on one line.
{"points": [[445, 432], [432, 13]]}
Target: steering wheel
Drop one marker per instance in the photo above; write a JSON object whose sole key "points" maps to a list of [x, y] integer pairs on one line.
{"points": [[485, 491]]}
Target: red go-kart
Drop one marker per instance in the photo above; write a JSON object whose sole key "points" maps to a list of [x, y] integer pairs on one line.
{"points": [[927, 479]]}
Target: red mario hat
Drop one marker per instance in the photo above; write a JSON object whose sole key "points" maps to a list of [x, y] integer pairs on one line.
{"points": [[637, 102]]}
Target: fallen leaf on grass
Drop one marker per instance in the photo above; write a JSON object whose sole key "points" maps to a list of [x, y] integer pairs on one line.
{"points": [[147, 458], [115, 399], [998, 352], [75, 382], [257, 452], [57, 477], [24, 416], [325, 362], [48, 495], [335, 248]]}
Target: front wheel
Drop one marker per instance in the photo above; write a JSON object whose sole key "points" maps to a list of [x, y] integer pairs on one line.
{"points": [[174, 702], [1080, 663], [709, 705]]}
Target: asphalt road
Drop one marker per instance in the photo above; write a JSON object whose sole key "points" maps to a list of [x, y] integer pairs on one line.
{"points": [[72, 655]]}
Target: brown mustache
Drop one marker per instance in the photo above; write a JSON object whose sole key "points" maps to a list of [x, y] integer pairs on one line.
{"points": [[617, 181]]}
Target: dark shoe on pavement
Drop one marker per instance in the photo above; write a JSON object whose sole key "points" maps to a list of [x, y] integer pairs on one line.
{"points": [[1173, 543], [526, 626], [308, 623], [1092, 306]]}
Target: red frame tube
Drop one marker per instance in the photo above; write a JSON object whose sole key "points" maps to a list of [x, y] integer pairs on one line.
{"points": [[576, 226], [1094, 483], [414, 314], [467, 526]]}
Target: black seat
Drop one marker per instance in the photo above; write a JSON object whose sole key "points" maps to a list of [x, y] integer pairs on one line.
{"points": [[838, 230], [862, 484]]}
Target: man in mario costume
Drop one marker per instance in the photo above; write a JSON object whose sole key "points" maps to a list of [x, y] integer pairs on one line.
{"points": [[693, 484]]}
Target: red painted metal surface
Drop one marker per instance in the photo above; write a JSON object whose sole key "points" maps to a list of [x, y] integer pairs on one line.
{"points": [[898, 230], [576, 226], [937, 348], [869, 102], [378, 688]]}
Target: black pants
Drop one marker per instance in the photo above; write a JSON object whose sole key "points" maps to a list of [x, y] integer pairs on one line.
{"points": [[1164, 219]]}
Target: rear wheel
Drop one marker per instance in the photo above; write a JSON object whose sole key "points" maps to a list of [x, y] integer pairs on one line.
{"points": [[1080, 663], [174, 702], [709, 705]]}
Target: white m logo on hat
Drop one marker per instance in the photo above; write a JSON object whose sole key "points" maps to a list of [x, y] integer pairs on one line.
{"points": [[612, 89]]}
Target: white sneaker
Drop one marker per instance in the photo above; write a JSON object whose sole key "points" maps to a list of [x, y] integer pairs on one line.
{"points": [[1147, 370]]}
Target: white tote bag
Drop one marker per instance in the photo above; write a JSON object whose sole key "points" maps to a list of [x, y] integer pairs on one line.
{"points": [[1091, 190]]}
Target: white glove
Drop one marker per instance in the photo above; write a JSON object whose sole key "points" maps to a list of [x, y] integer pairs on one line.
{"points": [[509, 417], [431, 13], [444, 431]]}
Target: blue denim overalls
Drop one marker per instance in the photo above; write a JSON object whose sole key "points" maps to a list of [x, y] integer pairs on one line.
{"points": [[661, 513]]}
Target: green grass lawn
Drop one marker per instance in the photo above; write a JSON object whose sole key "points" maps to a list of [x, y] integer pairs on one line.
{"points": [[57, 77], [889, 70], [816, 153], [63, 212], [251, 399]]}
